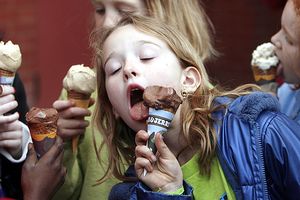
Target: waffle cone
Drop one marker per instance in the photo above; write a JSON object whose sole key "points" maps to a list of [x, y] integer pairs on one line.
{"points": [[264, 75], [40, 131], [82, 101], [6, 77], [43, 136]]}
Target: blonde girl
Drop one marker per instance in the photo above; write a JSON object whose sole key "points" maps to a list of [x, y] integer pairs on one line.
{"points": [[221, 144]]}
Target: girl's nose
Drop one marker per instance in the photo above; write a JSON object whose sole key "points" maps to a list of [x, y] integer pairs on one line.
{"points": [[111, 19], [275, 40], [130, 71]]}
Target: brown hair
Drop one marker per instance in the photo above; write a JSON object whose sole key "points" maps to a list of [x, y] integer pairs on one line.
{"points": [[197, 124]]}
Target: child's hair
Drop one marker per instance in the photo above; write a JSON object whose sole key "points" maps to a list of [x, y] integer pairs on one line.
{"points": [[190, 18], [197, 124]]}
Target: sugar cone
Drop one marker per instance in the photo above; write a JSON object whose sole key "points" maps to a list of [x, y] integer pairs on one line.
{"points": [[82, 101], [6, 77], [43, 136], [264, 76]]}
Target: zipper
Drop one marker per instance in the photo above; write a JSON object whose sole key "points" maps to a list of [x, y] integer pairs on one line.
{"points": [[261, 159]]}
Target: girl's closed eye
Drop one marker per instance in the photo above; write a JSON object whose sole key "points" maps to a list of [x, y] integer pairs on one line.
{"points": [[112, 66], [99, 8], [148, 52], [100, 11]]}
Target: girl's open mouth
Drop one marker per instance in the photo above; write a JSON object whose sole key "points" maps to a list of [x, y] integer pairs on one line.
{"points": [[138, 111]]}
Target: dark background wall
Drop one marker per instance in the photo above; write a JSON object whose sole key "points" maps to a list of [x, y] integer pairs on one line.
{"points": [[53, 35], [240, 26]]}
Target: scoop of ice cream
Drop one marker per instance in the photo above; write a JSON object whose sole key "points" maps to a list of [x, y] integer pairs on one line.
{"points": [[159, 97], [81, 79], [42, 116], [264, 56], [10, 56]]}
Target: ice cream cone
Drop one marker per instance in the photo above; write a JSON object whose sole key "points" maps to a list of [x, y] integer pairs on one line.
{"points": [[264, 76], [157, 122], [163, 103], [81, 100], [43, 128], [6, 77], [43, 137], [264, 63]]}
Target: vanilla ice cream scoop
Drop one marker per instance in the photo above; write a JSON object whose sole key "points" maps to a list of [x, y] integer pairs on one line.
{"points": [[81, 79], [264, 56], [10, 56]]}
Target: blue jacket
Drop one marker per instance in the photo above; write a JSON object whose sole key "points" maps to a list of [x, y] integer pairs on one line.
{"points": [[258, 149]]}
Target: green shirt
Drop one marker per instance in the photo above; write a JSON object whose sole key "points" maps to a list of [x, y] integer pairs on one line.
{"points": [[83, 168], [204, 186]]}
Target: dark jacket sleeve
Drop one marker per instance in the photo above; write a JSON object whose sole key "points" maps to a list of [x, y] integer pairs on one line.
{"points": [[20, 96], [282, 157], [11, 172], [137, 190], [141, 191]]}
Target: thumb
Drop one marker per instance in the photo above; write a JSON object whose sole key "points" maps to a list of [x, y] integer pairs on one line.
{"points": [[162, 148], [92, 102], [31, 157]]}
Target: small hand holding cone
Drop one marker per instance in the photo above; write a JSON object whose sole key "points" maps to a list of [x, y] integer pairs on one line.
{"points": [[165, 174]]}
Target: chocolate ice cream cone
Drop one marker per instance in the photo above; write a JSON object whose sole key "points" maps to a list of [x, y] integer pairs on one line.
{"points": [[43, 128], [43, 137]]}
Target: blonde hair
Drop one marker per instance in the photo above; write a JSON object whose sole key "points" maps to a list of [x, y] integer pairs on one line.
{"points": [[197, 124], [190, 18]]}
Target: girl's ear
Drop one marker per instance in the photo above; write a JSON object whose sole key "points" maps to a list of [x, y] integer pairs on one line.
{"points": [[190, 79]]}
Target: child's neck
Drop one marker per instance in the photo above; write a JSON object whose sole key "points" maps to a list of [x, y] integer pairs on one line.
{"points": [[179, 146]]}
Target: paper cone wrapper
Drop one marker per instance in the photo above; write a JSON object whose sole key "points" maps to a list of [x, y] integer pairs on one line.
{"points": [[43, 137], [264, 76], [157, 122], [6, 77], [82, 101]]}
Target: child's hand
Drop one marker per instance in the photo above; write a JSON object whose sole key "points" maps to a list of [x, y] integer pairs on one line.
{"points": [[71, 119], [10, 126], [42, 178], [163, 170]]}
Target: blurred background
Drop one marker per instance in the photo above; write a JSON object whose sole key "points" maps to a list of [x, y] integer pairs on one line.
{"points": [[53, 35]]}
